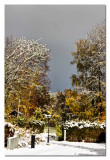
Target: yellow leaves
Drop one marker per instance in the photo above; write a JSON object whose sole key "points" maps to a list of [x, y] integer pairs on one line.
{"points": [[31, 107], [81, 105], [99, 104], [8, 109], [69, 100], [38, 113], [82, 47], [78, 98], [57, 116], [104, 103], [73, 106], [98, 94], [103, 117], [48, 112]]}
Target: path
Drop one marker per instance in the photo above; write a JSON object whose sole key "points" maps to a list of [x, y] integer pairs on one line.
{"points": [[60, 148]]}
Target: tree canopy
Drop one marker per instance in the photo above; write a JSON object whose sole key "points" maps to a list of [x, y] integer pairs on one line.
{"points": [[26, 78], [90, 59]]}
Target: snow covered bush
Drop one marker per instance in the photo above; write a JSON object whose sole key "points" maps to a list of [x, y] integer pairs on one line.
{"points": [[86, 130], [21, 121], [30, 123], [85, 124], [36, 124]]}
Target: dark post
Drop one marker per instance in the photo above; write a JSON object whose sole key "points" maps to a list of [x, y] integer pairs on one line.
{"points": [[48, 131], [32, 141]]}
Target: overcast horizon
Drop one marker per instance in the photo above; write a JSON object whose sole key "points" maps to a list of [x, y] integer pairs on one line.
{"points": [[59, 26]]}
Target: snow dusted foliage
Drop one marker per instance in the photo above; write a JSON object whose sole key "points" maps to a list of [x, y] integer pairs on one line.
{"points": [[90, 59], [27, 57], [97, 38], [87, 124], [26, 64]]}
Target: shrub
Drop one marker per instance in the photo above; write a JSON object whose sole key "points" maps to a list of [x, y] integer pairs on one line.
{"points": [[36, 124], [21, 121], [52, 122], [59, 133], [84, 130], [38, 114], [88, 134], [30, 123]]}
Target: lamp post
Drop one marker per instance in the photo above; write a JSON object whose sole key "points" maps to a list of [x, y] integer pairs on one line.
{"points": [[48, 116]]}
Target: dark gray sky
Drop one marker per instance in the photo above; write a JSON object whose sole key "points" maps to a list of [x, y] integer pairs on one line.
{"points": [[59, 26]]}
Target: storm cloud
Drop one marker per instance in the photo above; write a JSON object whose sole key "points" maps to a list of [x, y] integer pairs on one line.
{"points": [[59, 26]]}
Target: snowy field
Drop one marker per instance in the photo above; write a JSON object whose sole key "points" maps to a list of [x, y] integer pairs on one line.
{"points": [[61, 148]]}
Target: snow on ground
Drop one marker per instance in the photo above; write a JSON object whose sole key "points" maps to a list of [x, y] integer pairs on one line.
{"points": [[60, 148]]}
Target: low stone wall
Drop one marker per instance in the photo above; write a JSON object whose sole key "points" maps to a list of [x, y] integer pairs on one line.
{"points": [[13, 141]]}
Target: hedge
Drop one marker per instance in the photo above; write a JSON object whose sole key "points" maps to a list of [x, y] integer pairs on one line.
{"points": [[87, 131], [88, 134]]}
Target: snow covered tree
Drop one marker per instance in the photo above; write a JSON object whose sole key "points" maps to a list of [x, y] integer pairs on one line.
{"points": [[90, 59], [26, 67]]}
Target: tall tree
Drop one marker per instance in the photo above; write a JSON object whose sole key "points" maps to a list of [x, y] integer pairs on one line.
{"points": [[26, 67], [90, 59]]}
